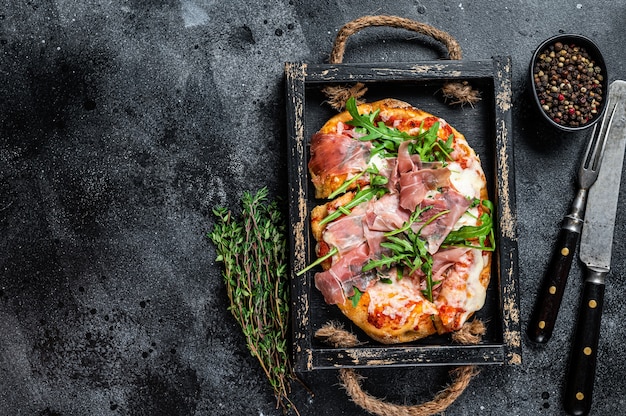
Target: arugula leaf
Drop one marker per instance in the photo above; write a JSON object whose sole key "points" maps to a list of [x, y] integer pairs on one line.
{"points": [[320, 260], [356, 297], [387, 140], [346, 185], [384, 262], [374, 131], [407, 225], [376, 180], [475, 236], [407, 250], [428, 292], [363, 195]]}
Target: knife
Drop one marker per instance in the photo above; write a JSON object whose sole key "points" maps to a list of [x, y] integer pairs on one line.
{"points": [[546, 310], [596, 242]]}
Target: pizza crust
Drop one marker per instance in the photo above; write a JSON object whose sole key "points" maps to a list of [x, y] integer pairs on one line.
{"points": [[417, 326]]}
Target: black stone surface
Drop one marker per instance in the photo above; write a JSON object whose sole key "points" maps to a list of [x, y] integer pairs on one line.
{"points": [[123, 123]]}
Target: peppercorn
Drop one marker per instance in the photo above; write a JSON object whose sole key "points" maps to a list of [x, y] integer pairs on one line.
{"points": [[568, 83]]}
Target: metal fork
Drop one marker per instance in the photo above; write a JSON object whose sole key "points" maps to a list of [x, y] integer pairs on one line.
{"points": [[544, 315]]}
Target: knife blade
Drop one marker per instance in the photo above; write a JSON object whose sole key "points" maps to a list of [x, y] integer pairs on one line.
{"points": [[596, 242]]}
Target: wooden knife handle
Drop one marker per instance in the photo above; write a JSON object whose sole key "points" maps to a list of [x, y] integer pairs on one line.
{"points": [[549, 298], [582, 367]]}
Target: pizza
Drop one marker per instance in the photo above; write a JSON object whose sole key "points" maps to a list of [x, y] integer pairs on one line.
{"points": [[403, 228]]}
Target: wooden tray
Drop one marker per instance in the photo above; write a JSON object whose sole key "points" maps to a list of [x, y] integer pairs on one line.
{"points": [[487, 128]]}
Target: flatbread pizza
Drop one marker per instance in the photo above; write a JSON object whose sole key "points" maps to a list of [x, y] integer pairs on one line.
{"points": [[403, 231]]}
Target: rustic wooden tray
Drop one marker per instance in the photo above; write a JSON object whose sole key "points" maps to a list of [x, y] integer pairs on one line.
{"points": [[486, 126]]}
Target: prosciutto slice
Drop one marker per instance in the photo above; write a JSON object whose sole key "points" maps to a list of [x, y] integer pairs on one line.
{"points": [[384, 214], [405, 162], [339, 281], [374, 239], [346, 232], [444, 259], [335, 154], [437, 231], [413, 178], [414, 186]]}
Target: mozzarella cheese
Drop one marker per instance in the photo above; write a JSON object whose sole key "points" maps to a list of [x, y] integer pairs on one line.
{"points": [[397, 298], [469, 180], [462, 288]]}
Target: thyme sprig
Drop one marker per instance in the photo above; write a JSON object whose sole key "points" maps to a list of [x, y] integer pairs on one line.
{"points": [[253, 250]]}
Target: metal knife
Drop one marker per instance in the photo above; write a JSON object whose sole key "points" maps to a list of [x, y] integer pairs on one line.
{"points": [[596, 242]]}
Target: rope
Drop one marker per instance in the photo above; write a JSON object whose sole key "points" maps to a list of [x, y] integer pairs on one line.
{"points": [[349, 29], [458, 92], [470, 333]]}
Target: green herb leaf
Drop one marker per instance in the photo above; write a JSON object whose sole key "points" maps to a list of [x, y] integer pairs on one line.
{"points": [[319, 261], [253, 250], [363, 195], [391, 136], [387, 139], [356, 297], [345, 186], [475, 236]]}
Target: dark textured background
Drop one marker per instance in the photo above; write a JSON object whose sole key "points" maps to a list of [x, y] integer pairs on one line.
{"points": [[124, 122]]}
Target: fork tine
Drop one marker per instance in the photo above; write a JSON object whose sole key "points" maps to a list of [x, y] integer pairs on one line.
{"points": [[592, 147], [595, 149]]}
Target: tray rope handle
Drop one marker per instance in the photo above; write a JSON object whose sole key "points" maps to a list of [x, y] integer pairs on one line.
{"points": [[470, 333], [458, 92]]}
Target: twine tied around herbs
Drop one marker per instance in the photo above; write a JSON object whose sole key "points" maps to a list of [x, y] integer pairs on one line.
{"points": [[470, 333], [457, 92]]}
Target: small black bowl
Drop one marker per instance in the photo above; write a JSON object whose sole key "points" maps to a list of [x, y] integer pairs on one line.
{"points": [[569, 93]]}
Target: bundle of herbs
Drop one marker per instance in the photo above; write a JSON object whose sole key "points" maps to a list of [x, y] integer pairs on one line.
{"points": [[253, 250]]}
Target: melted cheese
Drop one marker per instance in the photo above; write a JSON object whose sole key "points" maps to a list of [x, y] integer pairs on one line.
{"points": [[462, 288], [475, 292], [469, 218], [461, 294], [468, 181], [378, 161], [398, 299]]}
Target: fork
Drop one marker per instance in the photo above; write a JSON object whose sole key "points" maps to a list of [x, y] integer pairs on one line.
{"points": [[546, 309]]}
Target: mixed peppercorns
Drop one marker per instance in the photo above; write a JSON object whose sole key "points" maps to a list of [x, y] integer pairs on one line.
{"points": [[568, 83]]}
